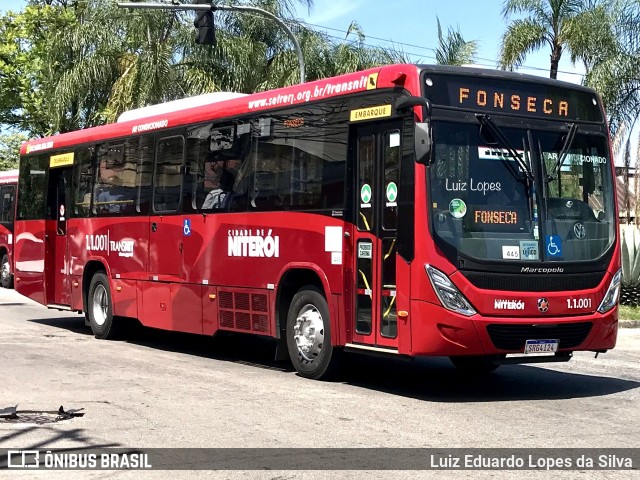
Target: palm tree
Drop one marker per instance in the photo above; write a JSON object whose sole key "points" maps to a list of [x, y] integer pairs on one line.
{"points": [[454, 49], [616, 72], [548, 22], [112, 60]]}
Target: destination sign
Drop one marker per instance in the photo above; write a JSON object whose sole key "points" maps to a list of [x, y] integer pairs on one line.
{"points": [[494, 219], [514, 97]]}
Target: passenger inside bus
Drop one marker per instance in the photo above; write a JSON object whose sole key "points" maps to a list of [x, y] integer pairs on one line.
{"points": [[107, 198], [220, 197]]}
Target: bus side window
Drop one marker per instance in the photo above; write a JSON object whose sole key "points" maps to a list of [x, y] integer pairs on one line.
{"points": [[83, 173], [144, 173], [115, 190], [7, 198], [167, 185]]}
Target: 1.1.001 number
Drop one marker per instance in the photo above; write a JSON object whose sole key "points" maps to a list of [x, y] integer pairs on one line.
{"points": [[578, 303]]}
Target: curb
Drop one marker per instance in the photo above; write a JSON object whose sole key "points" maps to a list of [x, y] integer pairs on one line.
{"points": [[629, 323]]}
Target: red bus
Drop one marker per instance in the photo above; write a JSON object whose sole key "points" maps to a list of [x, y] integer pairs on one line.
{"points": [[8, 184], [409, 210]]}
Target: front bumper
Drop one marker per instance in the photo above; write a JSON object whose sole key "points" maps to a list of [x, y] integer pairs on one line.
{"points": [[440, 332]]}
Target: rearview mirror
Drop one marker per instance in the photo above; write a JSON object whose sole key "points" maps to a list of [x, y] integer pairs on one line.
{"points": [[423, 142]]}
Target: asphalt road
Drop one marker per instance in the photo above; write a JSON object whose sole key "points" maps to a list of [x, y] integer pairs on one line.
{"points": [[161, 389]]}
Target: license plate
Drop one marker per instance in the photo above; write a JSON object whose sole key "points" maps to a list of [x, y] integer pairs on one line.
{"points": [[541, 346]]}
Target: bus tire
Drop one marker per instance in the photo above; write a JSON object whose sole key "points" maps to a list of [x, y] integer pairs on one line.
{"points": [[309, 335], [6, 278], [100, 308], [476, 364]]}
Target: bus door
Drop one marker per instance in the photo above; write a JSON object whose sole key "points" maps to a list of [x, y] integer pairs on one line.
{"points": [[57, 274], [378, 152], [166, 228]]}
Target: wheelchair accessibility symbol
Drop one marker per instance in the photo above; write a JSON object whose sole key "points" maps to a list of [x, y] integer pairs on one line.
{"points": [[554, 245], [186, 227]]}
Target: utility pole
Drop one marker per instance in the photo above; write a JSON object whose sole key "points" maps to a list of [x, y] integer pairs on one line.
{"points": [[213, 8]]}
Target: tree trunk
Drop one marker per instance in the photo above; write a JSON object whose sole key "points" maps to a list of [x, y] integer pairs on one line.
{"points": [[556, 53]]}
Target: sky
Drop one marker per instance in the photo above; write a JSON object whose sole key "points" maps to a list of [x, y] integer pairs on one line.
{"points": [[410, 26]]}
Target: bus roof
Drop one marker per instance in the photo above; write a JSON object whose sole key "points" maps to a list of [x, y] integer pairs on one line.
{"points": [[177, 105], [8, 176], [380, 77]]}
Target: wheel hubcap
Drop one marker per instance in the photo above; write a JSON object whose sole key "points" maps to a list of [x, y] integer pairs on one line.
{"points": [[100, 305], [308, 332]]}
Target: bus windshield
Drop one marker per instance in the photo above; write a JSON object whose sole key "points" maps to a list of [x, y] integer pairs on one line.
{"points": [[485, 205]]}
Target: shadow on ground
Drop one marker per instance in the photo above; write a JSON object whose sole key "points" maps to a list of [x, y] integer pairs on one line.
{"points": [[50, 435], [428, 379]]}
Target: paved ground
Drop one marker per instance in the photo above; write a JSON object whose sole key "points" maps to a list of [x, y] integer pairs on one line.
{"points": [[170, 390]]}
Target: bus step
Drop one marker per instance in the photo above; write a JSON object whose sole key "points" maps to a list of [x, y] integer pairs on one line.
{"points": [[357, 348], [55, 306]]}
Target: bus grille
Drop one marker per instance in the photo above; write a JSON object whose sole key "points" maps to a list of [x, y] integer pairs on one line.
{"points": [[533, 283], [243, 311], [513, 337]]}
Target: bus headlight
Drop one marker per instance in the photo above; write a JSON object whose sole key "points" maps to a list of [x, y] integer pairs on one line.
{"points": [[448, 293], [613, 294]]}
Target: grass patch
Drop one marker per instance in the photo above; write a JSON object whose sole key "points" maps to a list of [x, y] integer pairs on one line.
{"points": [[629, 313]]}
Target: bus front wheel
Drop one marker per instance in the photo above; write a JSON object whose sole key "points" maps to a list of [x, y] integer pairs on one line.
{"points": [[7, 277], [100, 308], [309, 335], [476, 364]]}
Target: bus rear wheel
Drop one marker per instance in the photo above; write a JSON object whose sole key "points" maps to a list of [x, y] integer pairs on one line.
{"points": [[100, 308], [6, 276], [309, 335], [476, 364]]}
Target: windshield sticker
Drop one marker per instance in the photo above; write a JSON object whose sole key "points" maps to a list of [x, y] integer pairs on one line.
{"points": [[457, 208], [510, 252], [576, 159], [553, 244], [392, 194], [394, 140], [365, 196], [529, 250], [491, 153]]}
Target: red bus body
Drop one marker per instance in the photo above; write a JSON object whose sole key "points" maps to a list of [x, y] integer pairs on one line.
{"points": [[8, 185], [202, 272]]}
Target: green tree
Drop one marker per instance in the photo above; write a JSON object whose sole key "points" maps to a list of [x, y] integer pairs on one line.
{"points": [[10, 150], [615, 72], [454, 49], [546, 22], [110, 60], [25, 89]]}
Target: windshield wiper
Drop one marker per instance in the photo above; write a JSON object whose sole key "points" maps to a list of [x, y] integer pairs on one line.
{"points": [[487, 121], [564, 151]]}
